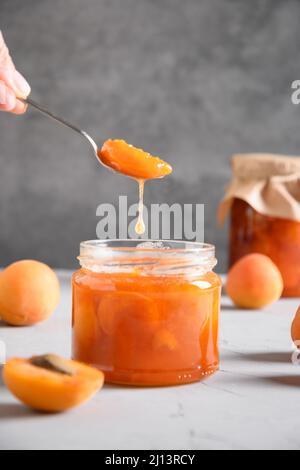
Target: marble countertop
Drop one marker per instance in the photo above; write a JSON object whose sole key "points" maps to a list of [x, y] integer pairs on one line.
{"points": [[252, 403]]}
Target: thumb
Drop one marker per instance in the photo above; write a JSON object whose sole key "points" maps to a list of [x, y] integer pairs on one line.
{"points": [[14, 80], [9, 75]]}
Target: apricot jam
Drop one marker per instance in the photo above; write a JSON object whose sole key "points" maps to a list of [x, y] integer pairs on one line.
{"points": [[133, 162], [277, 238], [147, 316]]}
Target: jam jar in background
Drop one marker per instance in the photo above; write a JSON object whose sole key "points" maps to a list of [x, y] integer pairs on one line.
{"points": [[263, 203]]}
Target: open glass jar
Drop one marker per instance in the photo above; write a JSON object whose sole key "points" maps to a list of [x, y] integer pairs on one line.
{"points": [[147, 314]]}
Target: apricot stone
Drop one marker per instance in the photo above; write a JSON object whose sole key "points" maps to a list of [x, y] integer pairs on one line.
{"points": [[254, 282], [29, 293], [296, 329]]}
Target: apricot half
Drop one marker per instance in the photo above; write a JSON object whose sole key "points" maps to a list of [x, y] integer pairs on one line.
{"points": [[29, 293], [50, 383], [131, 161], [296, 329], [133, 310], [254, 282], [164, 339]]}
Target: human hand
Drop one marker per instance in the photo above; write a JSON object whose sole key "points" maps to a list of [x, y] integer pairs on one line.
{"points": [[12, 84]]}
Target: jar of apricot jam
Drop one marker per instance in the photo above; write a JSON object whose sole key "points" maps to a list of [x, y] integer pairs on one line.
{"points": [[147, 314], [278, 238]]}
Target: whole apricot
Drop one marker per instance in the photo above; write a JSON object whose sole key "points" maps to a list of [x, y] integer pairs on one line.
{"points": [[254, 282], [29, 293], [296, 329], [50, 383]]}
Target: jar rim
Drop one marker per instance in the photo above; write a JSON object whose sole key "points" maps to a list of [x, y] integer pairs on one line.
{"points": [[152, 256], [146, 245]]}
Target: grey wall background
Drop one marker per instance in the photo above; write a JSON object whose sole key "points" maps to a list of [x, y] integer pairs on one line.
{"points": [[193, 81]]}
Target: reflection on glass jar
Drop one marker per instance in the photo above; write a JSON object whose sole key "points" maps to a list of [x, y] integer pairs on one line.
{"points": [[147, 316]]}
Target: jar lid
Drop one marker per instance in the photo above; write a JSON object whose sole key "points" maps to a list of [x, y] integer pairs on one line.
{"points": [[249, 166], [270, 184]]}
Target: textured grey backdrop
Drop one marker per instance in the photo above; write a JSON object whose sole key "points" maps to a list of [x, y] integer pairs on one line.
{"points": [[192, 80]]}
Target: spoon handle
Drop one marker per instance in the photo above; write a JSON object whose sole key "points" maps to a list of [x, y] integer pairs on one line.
{"points": [[53, 116], [63, 121]]}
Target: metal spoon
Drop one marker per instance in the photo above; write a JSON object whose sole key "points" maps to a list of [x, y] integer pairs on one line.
{"points": [[63, 121]]}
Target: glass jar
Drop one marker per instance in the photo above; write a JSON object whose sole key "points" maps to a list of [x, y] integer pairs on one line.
{"points": [[145, 314], [263, 199], [252, 232]]}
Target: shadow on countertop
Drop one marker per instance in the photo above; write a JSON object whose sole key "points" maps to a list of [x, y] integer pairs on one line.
{"points": [[279, 357], [274, 357], [224, 308], [227, 307], [15, 411], [286, 380]]}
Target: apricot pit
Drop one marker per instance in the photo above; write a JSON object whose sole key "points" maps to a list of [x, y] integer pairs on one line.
{"points": [[54, 364]]}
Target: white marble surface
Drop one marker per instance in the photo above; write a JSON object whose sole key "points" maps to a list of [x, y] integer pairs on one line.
{"points": [[252, 403]]}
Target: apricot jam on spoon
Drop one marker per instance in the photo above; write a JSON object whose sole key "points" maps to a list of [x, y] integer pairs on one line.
{"points": [[133, 162], [137, 164]]}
